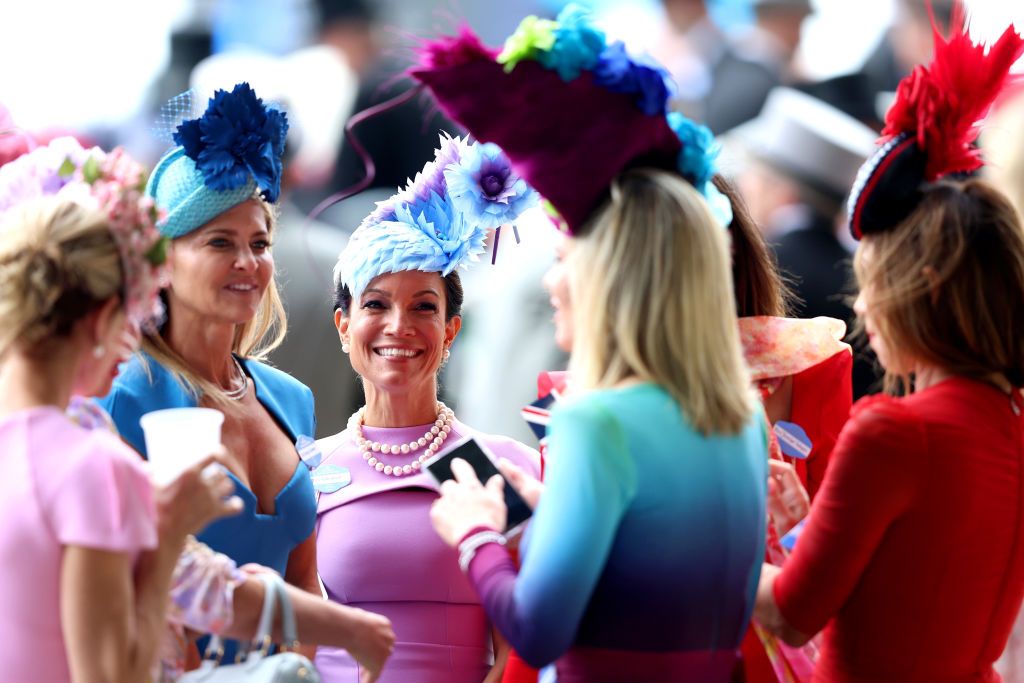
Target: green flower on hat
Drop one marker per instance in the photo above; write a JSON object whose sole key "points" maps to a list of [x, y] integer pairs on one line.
{"points": [[533, 35]]}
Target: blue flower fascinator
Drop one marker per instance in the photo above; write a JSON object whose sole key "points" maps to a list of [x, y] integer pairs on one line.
{"points": [[222, 158], [439, 221]]}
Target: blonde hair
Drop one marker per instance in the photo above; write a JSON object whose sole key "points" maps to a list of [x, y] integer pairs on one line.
{"points": [[652, 298], [946, 286], [254, 340], [58, 262]]}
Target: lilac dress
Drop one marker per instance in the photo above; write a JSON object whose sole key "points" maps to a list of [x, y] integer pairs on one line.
{"points": [[376, 550]]}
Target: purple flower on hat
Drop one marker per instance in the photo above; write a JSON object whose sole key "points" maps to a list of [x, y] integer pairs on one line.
{"points": [[639, 76], [43, 171], [431, 180], [578, 44], [238, 138], [697, 157], [484, 187]]}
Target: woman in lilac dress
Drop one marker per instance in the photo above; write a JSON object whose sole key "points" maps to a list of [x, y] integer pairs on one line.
{"points": [[398, 299]]}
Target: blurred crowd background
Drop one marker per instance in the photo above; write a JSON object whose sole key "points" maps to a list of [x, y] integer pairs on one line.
{"points": [[796, 88]]}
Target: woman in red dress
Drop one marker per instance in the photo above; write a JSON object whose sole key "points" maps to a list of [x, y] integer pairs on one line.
{"points": [[912, 557]]}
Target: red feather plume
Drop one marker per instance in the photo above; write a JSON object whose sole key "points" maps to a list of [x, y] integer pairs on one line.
{"points": [[940, 105]]}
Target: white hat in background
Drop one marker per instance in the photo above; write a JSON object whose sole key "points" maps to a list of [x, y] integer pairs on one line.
{"points": [[807, 139]]}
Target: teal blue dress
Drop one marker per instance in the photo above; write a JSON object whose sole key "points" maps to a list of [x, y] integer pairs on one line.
{"points": [[642, 559], [250, 537]]}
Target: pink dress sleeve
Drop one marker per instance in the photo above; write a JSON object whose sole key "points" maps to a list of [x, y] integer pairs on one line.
{"points": [[103, 498]]}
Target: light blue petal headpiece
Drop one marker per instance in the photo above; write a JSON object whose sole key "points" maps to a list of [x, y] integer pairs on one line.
{"points": [[439, 221]]}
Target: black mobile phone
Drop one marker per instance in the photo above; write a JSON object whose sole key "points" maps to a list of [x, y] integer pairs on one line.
{"points": [[482, 462]]}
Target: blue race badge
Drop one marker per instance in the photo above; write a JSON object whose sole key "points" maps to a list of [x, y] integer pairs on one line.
{"points": [[789, 540], [793, 440], [308, 451], [330, 478]]}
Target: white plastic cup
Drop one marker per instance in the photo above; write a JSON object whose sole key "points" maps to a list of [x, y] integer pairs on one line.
{"points": [[178, 438]]}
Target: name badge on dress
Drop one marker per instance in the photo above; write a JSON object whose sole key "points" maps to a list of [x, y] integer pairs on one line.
{"points": [[793, 440], [308, 451], [330, 478]]}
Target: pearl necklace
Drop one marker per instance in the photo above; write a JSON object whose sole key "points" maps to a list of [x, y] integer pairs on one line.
{"points": [[433, 439]]}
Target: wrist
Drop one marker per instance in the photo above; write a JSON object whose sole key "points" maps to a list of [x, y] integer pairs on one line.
{"points": [[477, 538], [480, 528]]}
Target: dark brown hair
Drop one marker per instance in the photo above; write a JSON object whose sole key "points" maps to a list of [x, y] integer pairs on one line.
{"points": [[946, 286], [757, 285], [453, 296]]}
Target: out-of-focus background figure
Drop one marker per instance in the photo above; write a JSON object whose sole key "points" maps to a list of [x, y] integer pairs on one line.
{"points": [[324, 60], [794, 164]]}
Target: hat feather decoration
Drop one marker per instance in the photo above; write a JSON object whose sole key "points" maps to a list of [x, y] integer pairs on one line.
{"points": [[932, 125], [440, 220]]}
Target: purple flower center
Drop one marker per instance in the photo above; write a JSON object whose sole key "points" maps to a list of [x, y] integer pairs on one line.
{"points": [[492, 184]]}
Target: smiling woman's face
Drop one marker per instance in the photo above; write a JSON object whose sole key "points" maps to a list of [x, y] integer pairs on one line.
{"points": [[396, 330], [223, 269]]}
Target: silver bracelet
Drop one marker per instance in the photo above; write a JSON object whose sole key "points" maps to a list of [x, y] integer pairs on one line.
{"points": [[468, 547]]}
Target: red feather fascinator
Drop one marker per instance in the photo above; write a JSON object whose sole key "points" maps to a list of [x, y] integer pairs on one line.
{"points": [[932, 125]]}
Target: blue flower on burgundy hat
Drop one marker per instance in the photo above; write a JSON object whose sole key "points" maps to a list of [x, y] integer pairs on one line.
{"points": [[483, 186], [640, 76], [578, 44], [237, 138], [697, 157]]}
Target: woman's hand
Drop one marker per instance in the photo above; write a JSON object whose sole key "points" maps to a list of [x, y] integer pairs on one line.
{"points": [[766, 610], [373, 643], [787, 499], [528, 488], [200, 495], [466, 504]]}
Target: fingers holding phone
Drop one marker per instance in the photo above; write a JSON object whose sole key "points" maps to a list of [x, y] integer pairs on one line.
{"points": [[465, 504], [528, 488]]}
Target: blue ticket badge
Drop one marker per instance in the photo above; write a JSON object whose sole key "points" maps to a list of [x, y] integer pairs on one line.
{"points": [[789, 540], [308, 451], [330, 478], [793, 440]]}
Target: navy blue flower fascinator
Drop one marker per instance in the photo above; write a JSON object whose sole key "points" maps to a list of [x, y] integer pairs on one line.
{"points": [[439, 221], [222, 158]]}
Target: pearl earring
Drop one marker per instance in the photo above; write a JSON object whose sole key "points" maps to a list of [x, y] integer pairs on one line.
{"points": [[98, 351], [445, 356], [344, 347]]}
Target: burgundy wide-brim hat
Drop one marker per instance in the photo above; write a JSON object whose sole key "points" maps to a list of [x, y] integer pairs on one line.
{"points": [[567, 139]]}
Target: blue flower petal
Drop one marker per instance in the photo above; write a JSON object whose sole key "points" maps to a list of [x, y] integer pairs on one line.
{"points": [[236, 139], [699, 150]]}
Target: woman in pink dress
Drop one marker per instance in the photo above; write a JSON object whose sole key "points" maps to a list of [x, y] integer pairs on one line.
{"points": [[87, 560]]}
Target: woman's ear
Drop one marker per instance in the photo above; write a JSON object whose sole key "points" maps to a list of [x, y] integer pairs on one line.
{"points": [[451, 329], [101, 326], [341, 322], [109, 319]]}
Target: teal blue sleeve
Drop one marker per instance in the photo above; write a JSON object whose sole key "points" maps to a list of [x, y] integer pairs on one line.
{"points": [[589, 483]]}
